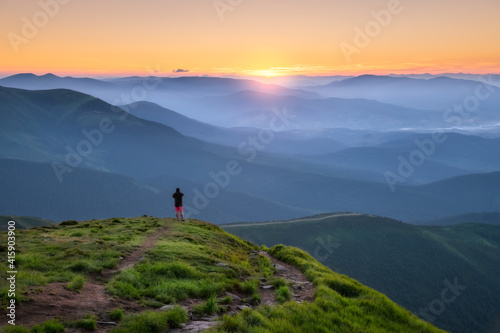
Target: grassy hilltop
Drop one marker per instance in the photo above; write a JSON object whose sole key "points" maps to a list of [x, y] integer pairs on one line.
{"points": [[117, 275]]}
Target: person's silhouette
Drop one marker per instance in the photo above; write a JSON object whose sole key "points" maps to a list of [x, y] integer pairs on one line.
{"points": [[178, 203]]}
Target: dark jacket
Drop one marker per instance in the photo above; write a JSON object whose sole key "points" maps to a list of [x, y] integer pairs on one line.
{"points": [[178, 198]]}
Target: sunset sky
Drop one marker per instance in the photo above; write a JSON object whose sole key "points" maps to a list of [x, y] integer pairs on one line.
{"points": [[249, 37]]}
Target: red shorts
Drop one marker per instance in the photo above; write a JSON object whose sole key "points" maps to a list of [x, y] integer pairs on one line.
{"points": [[179, 209]]}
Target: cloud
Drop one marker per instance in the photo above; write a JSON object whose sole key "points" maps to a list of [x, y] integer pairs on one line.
{"points": [[180, 70]]}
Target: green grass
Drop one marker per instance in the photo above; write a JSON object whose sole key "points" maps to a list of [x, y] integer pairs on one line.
{"points": [[279, 282], [250, 286], [208, 308], [152, 322], [88, 323], [359, 310], [76, 284], [184, 265], [50, 326], [283, 294], [116, 314], [14, 329]]}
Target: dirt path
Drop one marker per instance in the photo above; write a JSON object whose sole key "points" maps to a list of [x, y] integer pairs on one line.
{"points": [[133, 257], [55, 301], [302, 291], [312, 219]]}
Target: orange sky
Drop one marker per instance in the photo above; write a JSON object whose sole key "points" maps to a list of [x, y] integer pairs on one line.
{"points": [[249, 37]]}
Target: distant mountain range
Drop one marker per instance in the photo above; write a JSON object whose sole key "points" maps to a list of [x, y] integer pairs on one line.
{"points": [[438, 93], [366, 102], [410, 264], [65, 131], [250, 108], [283, 142]]}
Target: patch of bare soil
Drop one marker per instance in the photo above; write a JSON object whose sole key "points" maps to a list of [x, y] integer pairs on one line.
{"points": [[55, 301]]}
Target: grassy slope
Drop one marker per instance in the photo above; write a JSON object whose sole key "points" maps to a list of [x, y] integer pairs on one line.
{"points": [[182, 265], [407, 263]]}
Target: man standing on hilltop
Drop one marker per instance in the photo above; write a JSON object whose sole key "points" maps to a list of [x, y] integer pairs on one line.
{"points": [[178, 204]]}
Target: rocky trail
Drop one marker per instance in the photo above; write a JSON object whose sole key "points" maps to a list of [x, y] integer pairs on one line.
{"points": [[302, 291]]}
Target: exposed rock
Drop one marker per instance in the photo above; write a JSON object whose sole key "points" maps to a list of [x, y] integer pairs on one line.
{"points": [[243, 307], [233, 296], [280, 267], [167, 307], [196, 326]]}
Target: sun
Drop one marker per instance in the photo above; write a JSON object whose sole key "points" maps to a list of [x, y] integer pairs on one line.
{"points": [[267, 72]]}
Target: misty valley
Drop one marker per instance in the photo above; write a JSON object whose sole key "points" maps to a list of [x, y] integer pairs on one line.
{"points": [[372, 175]]}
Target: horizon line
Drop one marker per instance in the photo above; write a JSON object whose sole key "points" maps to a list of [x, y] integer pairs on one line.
{"points": [[234, 75]]}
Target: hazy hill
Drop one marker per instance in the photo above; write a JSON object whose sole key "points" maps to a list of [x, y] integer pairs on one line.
{"points": [[458, 155], [152, 275], [174, 93], [32, 188], [78, 131], [283, 142], [50, 125], [371, 100], [50, 81], [409, 263], [435, 93], [251, 108]]}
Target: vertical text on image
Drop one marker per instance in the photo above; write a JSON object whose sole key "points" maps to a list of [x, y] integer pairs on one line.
{"points": [[11, 272]]}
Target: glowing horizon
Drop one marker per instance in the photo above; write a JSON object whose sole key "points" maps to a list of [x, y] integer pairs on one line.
{"points": [[243, 38]]}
